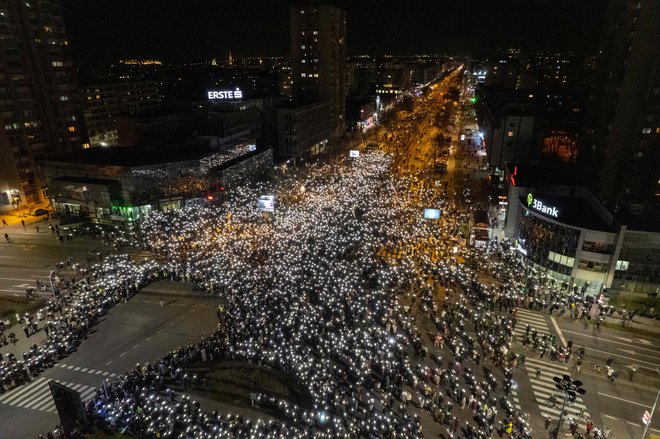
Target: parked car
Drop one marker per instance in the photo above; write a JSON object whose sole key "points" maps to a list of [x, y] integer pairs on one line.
{"points": [[39, 212]]}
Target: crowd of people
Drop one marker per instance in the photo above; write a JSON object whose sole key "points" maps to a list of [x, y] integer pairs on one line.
{"points": [[382, 317]]}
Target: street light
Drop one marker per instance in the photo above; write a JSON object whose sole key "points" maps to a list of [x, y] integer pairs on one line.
{"points": [[570, 389]]}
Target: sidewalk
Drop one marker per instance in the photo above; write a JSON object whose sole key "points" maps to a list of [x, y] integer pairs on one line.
{"points": [[24, 343]]}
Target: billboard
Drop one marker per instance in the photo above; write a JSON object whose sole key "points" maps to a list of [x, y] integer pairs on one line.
{"points": [[354, 153], [432, 214], [266, 203]]}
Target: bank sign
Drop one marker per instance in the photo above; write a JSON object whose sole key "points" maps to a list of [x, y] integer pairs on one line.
{"points": [[543, 208], [224, 95]]}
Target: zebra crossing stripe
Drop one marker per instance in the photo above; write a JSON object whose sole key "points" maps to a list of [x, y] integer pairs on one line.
{"points": [[11, 396], [544, 388], [37, 396], [38, 401], [88, 393]]}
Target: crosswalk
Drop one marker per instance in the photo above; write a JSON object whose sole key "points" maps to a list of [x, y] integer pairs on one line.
{"points": [[544, 387], [534, 320], [86, 370], [37, 395]]}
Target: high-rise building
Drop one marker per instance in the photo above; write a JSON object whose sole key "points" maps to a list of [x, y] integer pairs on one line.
{"points": [[40, 111], [318, 57], [620, 151]]}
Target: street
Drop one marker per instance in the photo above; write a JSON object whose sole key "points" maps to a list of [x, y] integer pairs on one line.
{"points": [[134, 332]]}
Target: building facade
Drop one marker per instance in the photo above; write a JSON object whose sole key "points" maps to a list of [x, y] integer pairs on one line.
{"points": [[103, 102], [620, 149], [41, 114], [303, 129], [570, 236], [318, 58]]}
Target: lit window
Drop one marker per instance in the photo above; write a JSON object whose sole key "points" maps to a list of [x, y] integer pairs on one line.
{"points": [[622, 265], [510, 134], [646, 130], [85, 145], [72, 129], [64, 98], [57, 63]]}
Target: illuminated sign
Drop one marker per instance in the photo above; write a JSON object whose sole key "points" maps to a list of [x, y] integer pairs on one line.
{"points": [[432, 214], [266, 203], [543, 208], [224, 95]]}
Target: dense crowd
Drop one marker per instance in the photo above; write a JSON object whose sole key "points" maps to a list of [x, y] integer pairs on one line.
{"points": [[331, 288]]}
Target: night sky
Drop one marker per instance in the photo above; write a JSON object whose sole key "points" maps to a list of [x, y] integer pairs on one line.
{"points": [[192, 30]]}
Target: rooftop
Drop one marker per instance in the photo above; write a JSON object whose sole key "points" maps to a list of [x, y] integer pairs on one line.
{"points": [[136, 155]]}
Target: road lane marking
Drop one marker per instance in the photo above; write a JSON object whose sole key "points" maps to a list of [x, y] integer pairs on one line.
{"points": [[635, 360], [148, 338], [123, 354], [160, 331], [625, 400], [610, 340], [136, 345], [561, 336], [108, 362]]}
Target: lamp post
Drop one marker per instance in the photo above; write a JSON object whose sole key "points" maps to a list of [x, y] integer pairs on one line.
{"points": [[570, 389]]}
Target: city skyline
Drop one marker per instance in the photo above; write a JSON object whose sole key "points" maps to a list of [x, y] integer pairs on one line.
{"points": [[107, 31]]}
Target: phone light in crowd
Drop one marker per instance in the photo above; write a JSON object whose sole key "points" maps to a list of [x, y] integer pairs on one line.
{"points": [[354, 153]]}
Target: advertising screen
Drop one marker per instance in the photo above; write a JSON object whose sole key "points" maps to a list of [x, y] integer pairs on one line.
{"points": [[266, 203], [432, 214]]}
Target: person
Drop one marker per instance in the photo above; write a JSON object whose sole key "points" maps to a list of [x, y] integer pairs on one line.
{"points": [[590, 426], [7, 237], [607, 432], [23, 223], [37, 227], [538, 373], [162, 302], [4, 222]]}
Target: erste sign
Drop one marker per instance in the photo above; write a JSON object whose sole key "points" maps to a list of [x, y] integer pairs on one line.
{"points": [[224, 94]]}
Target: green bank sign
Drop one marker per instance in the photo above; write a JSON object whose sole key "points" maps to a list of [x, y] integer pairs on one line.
{"points": [[538, 205]]}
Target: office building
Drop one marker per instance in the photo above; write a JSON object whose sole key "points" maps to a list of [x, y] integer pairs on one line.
{"points": [[104, 102], [318, 57], [41, 115], [303, 129], [568, 235]]}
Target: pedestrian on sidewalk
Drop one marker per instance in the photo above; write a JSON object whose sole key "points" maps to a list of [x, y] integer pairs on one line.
{"points": [[7, 237], [162, 302], [37, 227], [23, 223], [4, 222]]}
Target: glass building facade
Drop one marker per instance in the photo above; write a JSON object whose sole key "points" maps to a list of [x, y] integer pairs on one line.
{"points": [[547, 244]]}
